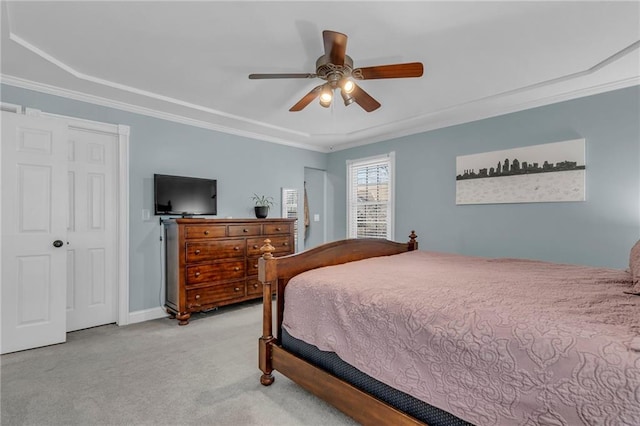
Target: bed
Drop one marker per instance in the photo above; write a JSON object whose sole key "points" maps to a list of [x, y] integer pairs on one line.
{"points": [[394, 335]]}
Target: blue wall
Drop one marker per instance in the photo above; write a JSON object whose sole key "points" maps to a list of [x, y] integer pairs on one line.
{"points": [[597, 232], [241, 165]]}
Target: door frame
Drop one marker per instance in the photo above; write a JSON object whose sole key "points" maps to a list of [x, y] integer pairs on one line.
{"points": [[122, 200]]}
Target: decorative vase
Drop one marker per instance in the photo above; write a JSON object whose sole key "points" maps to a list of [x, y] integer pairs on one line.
{"points": [[261, 211]]}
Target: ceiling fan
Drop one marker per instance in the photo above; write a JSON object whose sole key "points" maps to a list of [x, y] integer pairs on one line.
{"points": [[336, 68]]}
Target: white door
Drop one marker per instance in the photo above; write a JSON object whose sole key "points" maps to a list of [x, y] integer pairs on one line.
{"points": [[92, 268], [34, 232]]}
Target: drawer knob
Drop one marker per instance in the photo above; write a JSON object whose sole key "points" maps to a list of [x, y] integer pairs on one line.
{"points": [[197, 274], [197, 296], [255, 266], [278, 229], [236, 248], [285, 244], [255, 246], [197, 252], [206, 232], [236, 289], [245, 230], [236, 269], [255, 286]]}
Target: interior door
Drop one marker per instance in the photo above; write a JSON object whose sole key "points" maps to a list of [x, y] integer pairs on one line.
{"points": [[34, 232], [92, 265]]}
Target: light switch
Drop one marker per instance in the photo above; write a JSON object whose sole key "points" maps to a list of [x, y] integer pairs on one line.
{"points": [[316, 217], [146, 214]]}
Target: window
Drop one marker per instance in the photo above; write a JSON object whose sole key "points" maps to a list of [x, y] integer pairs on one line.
{"points": [[370, 192], [290, 209]]}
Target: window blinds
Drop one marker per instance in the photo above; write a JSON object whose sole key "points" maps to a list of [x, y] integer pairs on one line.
{"points": [[370, 197]]}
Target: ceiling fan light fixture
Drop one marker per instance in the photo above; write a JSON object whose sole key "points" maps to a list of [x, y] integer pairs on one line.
{"points": [[326, 96], [347, 85], [346, 97]]}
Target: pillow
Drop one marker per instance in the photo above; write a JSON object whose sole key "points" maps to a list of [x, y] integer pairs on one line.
{"points": [[634, 268]]}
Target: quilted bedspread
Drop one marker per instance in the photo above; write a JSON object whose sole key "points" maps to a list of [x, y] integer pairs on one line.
{"points": [[492, 341]]}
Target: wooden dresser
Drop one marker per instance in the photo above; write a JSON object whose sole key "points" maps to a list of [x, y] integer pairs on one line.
{"points": [[214, 262]]}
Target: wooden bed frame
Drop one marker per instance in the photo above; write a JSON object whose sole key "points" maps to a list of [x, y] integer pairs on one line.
{"points": [[360, 405]]}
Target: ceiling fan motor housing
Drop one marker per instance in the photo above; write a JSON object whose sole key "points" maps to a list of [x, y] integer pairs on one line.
{"points": [[331, 72]]}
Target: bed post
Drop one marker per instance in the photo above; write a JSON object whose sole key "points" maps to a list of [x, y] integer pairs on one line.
{"points": [[266, 276], [413, 244]]}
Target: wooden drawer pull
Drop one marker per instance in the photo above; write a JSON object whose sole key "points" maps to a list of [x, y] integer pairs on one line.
{"points": [[285, 244], [197, 296], [236, 269], [278, 229], [236, 289], [255, 286], [255, 266], [197, 252], [206, 232], [245, 230], [197, 274], [255, 246], [236, 248]]}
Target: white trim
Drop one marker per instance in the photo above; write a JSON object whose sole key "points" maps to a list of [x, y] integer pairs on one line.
{"points": [[103, 82], [122, 202], [7, 107], [147, 315], [123, 225]]}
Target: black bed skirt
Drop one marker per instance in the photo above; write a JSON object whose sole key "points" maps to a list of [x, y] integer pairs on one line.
{"points": [[331, 363]]}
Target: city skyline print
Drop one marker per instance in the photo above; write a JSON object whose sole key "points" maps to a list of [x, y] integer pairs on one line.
{"points": [[553, 172]]}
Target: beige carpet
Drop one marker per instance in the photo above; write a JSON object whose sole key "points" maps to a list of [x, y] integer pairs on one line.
{"points": [[156, 373]]}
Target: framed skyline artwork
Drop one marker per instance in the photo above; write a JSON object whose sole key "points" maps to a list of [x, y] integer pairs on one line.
{"points": [[552, 172]]}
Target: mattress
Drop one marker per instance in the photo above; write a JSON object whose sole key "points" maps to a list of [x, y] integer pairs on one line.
{"points": [[332, 363], [492, 341]]}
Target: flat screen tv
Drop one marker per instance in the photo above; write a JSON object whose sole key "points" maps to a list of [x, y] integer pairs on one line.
{"points": [[185, 196]]}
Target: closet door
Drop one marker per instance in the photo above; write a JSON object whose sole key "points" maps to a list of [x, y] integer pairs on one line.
{"points": [[34, 231], [92, 266]]}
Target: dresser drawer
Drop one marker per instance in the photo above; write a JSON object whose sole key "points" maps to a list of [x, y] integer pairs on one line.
{"points": [[215, 272], [212, 250], [252, 266], [205, 231], [244, 230], [214, 294], [282, 245], [278, 228], [254, 287]]}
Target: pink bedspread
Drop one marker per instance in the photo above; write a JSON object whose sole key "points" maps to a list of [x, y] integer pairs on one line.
{"points": [[492, 341]]}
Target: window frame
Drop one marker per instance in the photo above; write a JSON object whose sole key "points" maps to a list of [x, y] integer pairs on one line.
{"points": [[352, 165]]}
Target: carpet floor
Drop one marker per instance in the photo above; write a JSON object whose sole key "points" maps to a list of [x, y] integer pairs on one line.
{"points": [[157, 373]]}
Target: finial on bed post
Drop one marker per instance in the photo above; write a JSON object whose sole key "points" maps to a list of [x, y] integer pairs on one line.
{"points": [[265, 342], [413, 244], [267, 249]]}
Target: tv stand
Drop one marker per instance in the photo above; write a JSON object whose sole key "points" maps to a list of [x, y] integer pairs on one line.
{"points": [[214, 262]]}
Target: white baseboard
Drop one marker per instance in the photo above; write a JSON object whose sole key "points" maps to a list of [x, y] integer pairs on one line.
{"points": [[147, 315]]}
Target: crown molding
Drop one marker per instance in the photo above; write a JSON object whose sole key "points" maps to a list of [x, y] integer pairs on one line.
{"points": [[480, 110], [123, 106]]}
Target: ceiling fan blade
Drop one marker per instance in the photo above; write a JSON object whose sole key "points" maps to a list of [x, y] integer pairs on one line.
{"points": [[265, 76], [306, 99], [335, 46], [364, 99], [410, 69]]}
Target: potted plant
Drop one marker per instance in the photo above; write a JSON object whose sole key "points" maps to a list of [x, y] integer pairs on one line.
{"points": [[262, 205]]}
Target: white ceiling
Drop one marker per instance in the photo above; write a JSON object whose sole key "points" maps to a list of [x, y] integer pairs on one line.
{"points": [[189, 61]]}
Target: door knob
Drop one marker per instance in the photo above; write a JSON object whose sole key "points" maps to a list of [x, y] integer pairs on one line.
{"points": [[58, 243]]}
